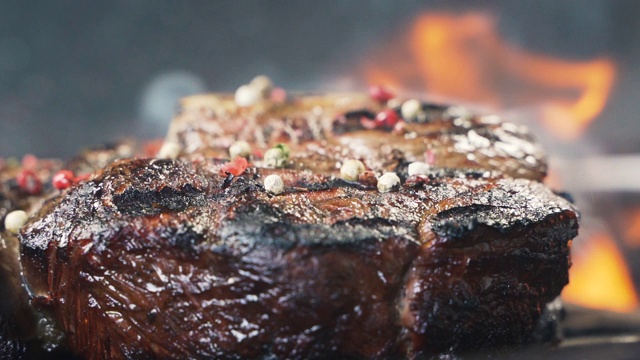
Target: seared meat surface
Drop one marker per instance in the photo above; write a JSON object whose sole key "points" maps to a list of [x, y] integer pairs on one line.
{"points": [[192, 257], [324, 130], [161, 257]]}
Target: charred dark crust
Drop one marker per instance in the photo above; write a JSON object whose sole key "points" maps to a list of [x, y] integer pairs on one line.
{"points": [[184, 238], [250, 229], [455, 223], [139, 188], [139, 202]]}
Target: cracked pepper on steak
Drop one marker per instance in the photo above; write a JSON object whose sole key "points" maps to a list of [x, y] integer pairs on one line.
{"points": [[179, 257]]}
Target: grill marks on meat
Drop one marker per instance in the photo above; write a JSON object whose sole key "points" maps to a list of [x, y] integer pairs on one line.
{"points": [[327, 269]]}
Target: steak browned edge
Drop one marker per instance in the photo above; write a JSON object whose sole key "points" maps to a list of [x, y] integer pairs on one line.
{"points": [[168, 259]]}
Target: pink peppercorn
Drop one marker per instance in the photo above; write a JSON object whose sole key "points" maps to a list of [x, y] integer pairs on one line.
{"points": [[235, 167], [380, 93], [387, 118], [28, 182], [430, 157], [400, 127], [367, 123], [279, 95], [63, 179]]}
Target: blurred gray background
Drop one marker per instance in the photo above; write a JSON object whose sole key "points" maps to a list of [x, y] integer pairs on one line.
{"points": [[77, 73]]}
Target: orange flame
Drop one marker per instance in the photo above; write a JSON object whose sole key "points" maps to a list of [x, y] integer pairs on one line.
{"points": [[599, 277], [464, 57]]}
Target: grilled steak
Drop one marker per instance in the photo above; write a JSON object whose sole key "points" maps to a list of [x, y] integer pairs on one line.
{"points": [[199, 257]]}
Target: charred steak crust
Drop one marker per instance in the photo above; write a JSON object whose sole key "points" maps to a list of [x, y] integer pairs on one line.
{"points": [[167, 258]]}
